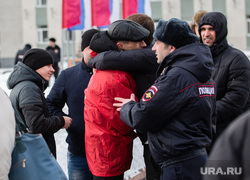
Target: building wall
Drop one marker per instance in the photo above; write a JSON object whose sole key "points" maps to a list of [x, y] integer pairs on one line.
{"points": [[18, 19]]}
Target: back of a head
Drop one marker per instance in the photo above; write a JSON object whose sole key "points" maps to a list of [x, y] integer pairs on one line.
{"points": [[174, 32], [52, 39], [127, 30], [197, 16], [87, 36], [27, 46], [147, 22]]}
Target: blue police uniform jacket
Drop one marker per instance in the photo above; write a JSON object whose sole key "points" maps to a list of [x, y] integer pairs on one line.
{"points": [[178, 112]]}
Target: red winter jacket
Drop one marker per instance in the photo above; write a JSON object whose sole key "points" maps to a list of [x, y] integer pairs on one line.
{"points": [[108, 140]]}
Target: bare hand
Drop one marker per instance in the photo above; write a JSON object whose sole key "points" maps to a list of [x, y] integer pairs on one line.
{"points": [[123, 101], [67, 121]]}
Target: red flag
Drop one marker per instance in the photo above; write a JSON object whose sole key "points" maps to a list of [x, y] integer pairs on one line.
{"points": [[129, 7], [100, 12], [71, 12]]}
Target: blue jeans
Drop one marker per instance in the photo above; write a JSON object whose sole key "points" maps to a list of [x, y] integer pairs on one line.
{"points": [[185, 170], [78, 168]]}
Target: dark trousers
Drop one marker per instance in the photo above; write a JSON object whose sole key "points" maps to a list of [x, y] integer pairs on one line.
{"points": [[186, 170], [120, 177], [153, 171], [56, 68]]}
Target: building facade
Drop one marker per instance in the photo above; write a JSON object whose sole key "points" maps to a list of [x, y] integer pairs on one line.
{"points": [[35, 21]]}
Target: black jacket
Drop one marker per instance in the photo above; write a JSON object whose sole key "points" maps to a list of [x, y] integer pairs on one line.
{"points": [[231, 150], [55, 53], [142, 62], [69, 88], [231, 74], [178, 111], [28, 97], [20, 53]]}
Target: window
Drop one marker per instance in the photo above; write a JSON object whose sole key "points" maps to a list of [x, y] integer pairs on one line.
{"points": [[41, 3], [42, 35], [156, 8], [248, 27], [187, 10]]}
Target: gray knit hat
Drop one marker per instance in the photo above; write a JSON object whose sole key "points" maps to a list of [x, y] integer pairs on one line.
{"points": [[174, 32]]}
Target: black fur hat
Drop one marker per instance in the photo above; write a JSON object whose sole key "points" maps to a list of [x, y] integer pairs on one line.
{"points": [[174, 32], [36, 58], [127, 30]]}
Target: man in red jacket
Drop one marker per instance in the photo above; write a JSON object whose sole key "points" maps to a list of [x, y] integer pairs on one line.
{"points": [[109, 141]]}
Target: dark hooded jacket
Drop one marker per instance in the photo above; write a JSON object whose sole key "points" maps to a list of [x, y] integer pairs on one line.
{"points": [[27, 96], [178, 111], [231, 73]]}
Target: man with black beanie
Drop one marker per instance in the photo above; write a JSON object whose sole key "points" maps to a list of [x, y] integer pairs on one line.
{"points": [[178, 111], [28, 82], [69, 89]]}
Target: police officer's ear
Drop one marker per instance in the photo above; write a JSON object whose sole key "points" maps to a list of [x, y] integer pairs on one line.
{"points": [[172, 48]]}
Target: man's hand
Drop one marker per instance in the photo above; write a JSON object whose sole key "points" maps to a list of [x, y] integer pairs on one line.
{"points": [[123, 101], [68, 121]]}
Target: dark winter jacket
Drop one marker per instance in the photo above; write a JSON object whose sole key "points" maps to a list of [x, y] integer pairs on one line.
{"points": [[27, 96], [21, 52], [55, 53], [231, 150], [178, 111], [231, 73], [69, 88]]}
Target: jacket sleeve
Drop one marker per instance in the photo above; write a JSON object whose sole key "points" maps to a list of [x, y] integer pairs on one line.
{"points": [[56, 99], [34, 108], [139, 60], [238, 88], [158, 105]]}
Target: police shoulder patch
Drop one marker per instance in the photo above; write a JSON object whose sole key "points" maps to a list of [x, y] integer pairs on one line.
{"points": [[150, 93], [206, 90]]}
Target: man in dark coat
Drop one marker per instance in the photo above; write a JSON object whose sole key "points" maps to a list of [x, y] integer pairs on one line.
{"points": [[20, 53], [28, 82], [178, 110], [231, 71], [69, 89], [55, 52], [143, 64]]}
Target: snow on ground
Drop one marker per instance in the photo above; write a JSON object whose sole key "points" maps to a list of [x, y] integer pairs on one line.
{"points": [[60, 136]]}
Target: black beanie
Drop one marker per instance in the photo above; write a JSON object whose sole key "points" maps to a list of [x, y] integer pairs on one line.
{"points": [[86, 37], [36, 58], [174, 32]]}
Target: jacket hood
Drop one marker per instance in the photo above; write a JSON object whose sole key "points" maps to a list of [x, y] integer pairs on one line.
{"points": [[21, 72], [219, 22], [195, 58]]}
